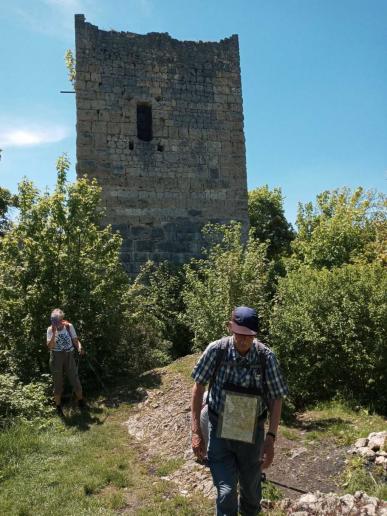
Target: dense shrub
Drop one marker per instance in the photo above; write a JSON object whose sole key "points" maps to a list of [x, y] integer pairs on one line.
{"points": [[343, 226], [158, 289], [329, 331], [149, 313], [57, 254], [23, 401], [232, 273], [268, 221]]}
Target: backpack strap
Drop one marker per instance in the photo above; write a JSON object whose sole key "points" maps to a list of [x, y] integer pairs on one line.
{"points": [[221, 351], [66, 324], [260, 347]]}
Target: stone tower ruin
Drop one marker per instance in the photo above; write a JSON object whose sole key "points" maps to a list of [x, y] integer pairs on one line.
{"points": [[160, 125]]}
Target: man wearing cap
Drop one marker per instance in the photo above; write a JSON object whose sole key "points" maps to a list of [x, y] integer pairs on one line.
{"points": [[244, 379]]}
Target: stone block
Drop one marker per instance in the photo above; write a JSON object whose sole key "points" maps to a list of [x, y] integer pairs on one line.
{"points": [[171, 247], [141, 232], [145, 246], [99, 127], [194, 213], [141, 257], [157, 234]]}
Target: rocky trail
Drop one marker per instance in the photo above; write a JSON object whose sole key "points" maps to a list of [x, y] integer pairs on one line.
{"points": [[161, 423]]}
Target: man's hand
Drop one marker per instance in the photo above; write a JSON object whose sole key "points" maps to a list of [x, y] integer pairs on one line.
{"points": [[53, 329], [267, 452], [198, 445]]}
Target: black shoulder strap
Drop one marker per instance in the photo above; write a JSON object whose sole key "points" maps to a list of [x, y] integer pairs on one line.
{"points": [[67, 326], [262, 356], [220, 354]]}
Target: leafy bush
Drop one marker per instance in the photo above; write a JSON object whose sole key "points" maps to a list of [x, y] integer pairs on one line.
{"points": [[57, 254], [328, 329], [158, 289], [231, 274], [268, 221], [342, 227], [143, 343], [24, 401]]}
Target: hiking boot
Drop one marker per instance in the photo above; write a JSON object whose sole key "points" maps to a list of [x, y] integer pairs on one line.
{"points": [[82, 405], [59, 411]]}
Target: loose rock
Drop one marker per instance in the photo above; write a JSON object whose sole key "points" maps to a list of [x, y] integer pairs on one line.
{"points": [[377, 440]]}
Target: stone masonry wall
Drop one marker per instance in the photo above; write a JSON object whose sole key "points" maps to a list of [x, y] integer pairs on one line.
{"points": [[160, 193]]}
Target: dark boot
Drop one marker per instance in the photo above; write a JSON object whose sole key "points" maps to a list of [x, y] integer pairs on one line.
{"points": [[82, 405], [59, 411]]}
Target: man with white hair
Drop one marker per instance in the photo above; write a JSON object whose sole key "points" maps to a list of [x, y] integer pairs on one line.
{"points": [[62, 341], [244, 381]]}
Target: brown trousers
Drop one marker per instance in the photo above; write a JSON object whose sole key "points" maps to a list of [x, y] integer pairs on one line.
{"points": [[63, 362]]}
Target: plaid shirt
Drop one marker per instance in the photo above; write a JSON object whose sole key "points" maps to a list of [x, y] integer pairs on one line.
{"points": [[245, 371]]}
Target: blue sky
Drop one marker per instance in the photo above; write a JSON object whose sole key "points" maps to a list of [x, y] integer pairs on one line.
{"points": [[314, 75]]}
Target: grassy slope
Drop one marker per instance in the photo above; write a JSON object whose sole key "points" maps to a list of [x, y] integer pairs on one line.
{"points": [[92, 466], [70, 470]]}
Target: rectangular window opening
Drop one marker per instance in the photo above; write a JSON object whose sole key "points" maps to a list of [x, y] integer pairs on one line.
{"points": [[144, 122]]}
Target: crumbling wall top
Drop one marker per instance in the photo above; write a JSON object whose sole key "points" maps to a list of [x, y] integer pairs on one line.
{"points": [[165, 37]]}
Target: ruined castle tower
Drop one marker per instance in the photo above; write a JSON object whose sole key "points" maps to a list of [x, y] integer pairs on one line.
{"points": [[160, 125]]}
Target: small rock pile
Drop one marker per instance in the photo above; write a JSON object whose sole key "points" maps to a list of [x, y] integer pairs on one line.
{"points": [[359, 504], [372, 448]]}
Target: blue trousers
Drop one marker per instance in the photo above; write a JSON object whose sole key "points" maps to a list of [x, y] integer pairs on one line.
{"points": [[232, 462]]}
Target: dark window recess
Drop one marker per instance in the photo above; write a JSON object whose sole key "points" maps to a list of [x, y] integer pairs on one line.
{"points": [[160, 147], [131, 145], [144, 122]]}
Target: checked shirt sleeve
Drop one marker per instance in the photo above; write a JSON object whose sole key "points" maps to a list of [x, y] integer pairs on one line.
{"points": [[274, 380], [204, 369]]}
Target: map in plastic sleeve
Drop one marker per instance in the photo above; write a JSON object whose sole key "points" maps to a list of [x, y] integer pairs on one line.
{"points": [[239, 418]]}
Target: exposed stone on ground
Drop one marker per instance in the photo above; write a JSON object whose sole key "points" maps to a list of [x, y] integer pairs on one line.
{"points": [[376, 440], [361, 443], [163, 421], [372, 448], [330, 504]]}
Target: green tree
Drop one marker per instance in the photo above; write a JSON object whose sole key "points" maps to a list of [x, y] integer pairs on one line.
{"points": [[157, 291], [328, 329], [268, 221], [57, 254], [230, 274], [7, 201], [342, 227]]}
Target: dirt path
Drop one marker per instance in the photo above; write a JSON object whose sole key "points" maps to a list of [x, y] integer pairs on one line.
{"points": [[162, 423]]}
